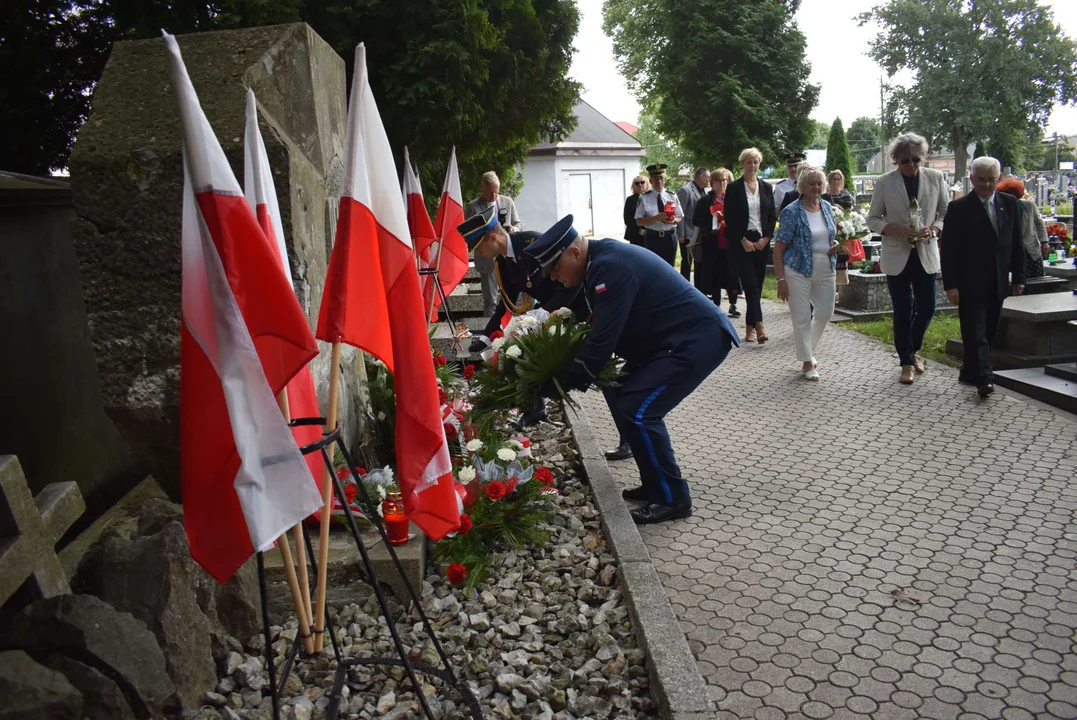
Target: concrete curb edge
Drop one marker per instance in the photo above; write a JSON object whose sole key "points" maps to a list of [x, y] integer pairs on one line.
{"points": [[677, 685]]}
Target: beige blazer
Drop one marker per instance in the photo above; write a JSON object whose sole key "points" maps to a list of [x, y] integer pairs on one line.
{"points": [[890, 204]]}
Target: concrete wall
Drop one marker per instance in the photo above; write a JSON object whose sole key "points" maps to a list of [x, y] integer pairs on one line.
{"points": [[126, 174], [52, 418]]}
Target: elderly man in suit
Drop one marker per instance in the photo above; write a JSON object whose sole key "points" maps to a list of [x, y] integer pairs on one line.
{"points": [[981, 249], [507, 217], [907, 209]]}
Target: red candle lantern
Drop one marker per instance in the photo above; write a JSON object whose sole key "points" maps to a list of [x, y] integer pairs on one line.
{"points": [[395, 519]]}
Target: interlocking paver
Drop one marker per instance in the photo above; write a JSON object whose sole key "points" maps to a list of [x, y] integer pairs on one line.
{"points": [[862, 549]]}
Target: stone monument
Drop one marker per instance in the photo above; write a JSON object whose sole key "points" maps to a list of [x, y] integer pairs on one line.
{"points": [[126, 178]]}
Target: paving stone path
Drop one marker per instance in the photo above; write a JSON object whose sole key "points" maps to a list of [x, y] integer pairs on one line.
{"points": [[863, 549]]}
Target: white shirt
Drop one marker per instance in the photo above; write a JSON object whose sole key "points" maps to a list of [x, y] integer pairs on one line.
{"points": [[651, 204], [820, 233], [753, 207]]}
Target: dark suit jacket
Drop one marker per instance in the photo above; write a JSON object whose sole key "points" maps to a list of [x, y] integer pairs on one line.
{"points": [[736, 210], [976, 260], [547, 293], [631, 227]]}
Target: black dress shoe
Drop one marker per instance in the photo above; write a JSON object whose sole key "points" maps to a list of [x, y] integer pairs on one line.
{"points": [[532, 417], [985, 390], [636, 494], [654, 513], [621, 452], [733, 312]]}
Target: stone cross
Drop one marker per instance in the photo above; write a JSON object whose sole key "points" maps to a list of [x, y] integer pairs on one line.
{"points": [[29, 530]]}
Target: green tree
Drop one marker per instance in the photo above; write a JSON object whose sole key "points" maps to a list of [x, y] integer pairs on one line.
{"points": [[976, 65], [819, 136], [488, 76], [837, 153], [864, 141], [659, 149], [719, 75]]}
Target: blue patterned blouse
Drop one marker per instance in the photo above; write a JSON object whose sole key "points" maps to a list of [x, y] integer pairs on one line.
{"points": [[795, 232]]}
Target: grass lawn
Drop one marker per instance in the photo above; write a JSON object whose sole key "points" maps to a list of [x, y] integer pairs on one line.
{"points": [[941, 329]]}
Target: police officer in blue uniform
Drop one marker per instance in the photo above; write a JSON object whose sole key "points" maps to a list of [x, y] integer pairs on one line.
{"points": [[520, 286], [670, 336]]}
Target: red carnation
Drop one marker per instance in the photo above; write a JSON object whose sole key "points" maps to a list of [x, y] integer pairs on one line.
{"points": [[469, 372], [456, 574], [510, 485], [443, 397], [343, 473], [544, 476], [350, 491], [465, 524], [496, 334], [451, 432], [496, 490], [440, 360]]}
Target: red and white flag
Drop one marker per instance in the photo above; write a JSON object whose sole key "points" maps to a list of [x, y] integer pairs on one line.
{"points": [[422, 232], [372, 301], [243, 337], [454, 262], [261, 195]]}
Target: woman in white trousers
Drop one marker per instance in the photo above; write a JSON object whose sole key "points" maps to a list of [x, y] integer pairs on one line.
{"points": [[805, 249]]}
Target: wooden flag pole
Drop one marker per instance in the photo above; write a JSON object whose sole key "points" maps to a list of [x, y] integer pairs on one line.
{"points": [[297, 531], [300, 589], [436, 277], [327, 501]]}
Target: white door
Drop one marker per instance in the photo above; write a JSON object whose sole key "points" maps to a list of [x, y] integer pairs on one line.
{"points": [[579, 203], [607, 202]]}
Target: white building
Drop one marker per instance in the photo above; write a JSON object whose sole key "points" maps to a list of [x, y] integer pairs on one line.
{"points": [[589, 174]]}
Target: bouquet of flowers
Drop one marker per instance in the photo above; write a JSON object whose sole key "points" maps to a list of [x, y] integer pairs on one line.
{"points": [[535, 347], [376, 482], [505, 500], [851, 226]]}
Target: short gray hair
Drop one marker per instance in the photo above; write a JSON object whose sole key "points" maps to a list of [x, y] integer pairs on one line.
{"points": [[490, 178], [985, 161], [907, 144], [805, 172]]}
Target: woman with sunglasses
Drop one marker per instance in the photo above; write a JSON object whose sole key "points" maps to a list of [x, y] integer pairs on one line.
{"points": [[633, 232], [907, 209]]}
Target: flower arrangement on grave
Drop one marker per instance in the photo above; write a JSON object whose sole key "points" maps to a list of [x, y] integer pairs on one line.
{"points": [[534, 349], [850, 224], [505, 499], [377, 483], [1058, 234], [379, 422]]}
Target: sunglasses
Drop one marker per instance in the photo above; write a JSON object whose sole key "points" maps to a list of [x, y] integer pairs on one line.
{"points": [[910, 161], [640, 182]]}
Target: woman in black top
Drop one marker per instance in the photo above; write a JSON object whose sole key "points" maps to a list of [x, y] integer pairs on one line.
{"points": [[750, 218], [716, 273], [632, 230], [836, 193]]}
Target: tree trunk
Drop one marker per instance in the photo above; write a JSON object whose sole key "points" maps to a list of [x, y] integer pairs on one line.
{"points": [[961, 154]]}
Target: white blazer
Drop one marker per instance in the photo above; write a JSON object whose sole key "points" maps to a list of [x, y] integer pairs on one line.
{"points": [[890, 204]]}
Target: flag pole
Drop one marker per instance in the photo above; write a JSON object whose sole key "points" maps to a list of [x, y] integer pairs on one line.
{"points": [[300, 592], [327, 500]]}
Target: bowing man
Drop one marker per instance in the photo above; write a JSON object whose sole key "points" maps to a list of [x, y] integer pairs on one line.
{"points": [[669, 334]]}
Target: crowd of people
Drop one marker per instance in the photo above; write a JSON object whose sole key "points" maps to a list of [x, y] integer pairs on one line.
{"points": [[668, 327]]}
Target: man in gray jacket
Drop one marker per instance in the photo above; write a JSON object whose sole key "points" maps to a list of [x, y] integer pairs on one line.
{"points": [[508, 218], [689, 195]]}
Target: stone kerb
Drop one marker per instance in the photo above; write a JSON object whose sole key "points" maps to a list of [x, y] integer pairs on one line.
{"points": [[126, 172]]}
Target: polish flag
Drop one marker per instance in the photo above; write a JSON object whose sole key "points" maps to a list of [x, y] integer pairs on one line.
{"points": [[422, 232], [262, 196], [372, 301], [243, 337], [454, 262]]}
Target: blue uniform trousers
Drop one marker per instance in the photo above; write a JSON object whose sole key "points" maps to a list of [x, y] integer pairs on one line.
{"points": [[648, 393]]}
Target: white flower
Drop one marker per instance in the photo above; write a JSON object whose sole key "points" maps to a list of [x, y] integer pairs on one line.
{"points": [[497, 343], [474, 445], [514, 351], [506, 455], [388, 476], [513, 325], [381, 416], [529, 322], [555, 329], [563, 313], [467, 474]]}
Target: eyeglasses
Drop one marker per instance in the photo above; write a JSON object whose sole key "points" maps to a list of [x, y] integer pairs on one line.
{"points": [[910, 161], [640, 182]]}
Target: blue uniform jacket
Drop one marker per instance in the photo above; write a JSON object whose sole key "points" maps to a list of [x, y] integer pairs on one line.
{"points": [[641, 309]]}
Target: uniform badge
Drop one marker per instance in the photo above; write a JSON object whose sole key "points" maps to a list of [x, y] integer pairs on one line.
{"points": [[600, 288]]}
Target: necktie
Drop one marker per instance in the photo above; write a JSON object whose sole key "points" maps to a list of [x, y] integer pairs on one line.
{"points": [[990, 207]]}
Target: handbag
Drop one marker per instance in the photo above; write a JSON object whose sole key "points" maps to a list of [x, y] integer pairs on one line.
{"points": [[855, 249], [841, 272]]}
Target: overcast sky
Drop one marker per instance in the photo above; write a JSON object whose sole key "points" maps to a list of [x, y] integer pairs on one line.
{"points": [[848, 90]]}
